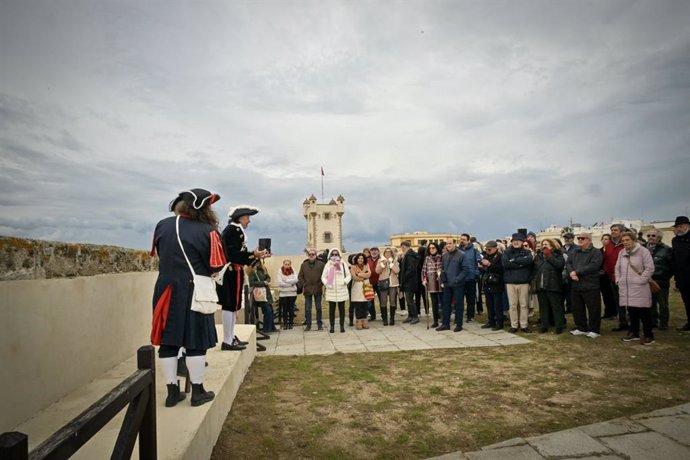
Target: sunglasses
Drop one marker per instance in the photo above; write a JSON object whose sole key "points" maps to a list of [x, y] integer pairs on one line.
{"points": [[652, 235], [582, 238]]}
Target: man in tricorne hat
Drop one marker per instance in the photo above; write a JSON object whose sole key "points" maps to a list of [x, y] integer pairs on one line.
{"points": [[237, 254], [681, 263]]}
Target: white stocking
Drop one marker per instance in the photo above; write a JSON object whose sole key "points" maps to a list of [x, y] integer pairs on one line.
{"points": [[169, 369], [197, 368], [181, 353], [228, 326]]}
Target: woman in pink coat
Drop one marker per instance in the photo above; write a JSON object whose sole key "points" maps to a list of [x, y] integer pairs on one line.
{"points": [[634, 269]]}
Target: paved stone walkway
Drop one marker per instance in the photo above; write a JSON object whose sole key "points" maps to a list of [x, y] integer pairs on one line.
{"points": [[379, 338], [662, 434]]}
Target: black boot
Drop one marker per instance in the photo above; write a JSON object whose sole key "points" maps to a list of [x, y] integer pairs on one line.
{"points": [[174, 395], [182, 366], [392, 321], [201, 396], [351, 314], [384, 315]]}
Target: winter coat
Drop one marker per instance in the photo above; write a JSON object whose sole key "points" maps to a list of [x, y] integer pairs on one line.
{"points": [[472, 254], [388, 271], [453, 269], [517, 265], [492, 275], [259, 278], [611, 252], [633, 287], [310, 277], [548, 274], [681, 259], [409, 276], [338, 291], [372, 263], [358, 279], [395, 272], [663, 258], [431, 270], [587, 264], [287, 284]]}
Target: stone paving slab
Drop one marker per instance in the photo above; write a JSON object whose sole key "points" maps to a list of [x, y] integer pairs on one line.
{"points": [[573, 443], [612, 428], [508, 453], [509, 443], [647, 446], [378, 338], [676, 427]]}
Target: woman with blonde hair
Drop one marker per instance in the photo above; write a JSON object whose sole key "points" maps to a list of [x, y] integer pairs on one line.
{"points": [[287, 286], [388, 269]]}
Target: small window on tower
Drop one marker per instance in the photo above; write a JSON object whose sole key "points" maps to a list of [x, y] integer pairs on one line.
{"points": [[327, 237], [326, 216]]}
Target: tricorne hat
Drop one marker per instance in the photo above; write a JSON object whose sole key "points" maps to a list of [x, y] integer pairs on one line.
{"points": [[680, 220], [196, 197], [241, 210]]}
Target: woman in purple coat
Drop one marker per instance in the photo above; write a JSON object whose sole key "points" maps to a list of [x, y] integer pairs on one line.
{"points": [[634, 269], [175, 325]]}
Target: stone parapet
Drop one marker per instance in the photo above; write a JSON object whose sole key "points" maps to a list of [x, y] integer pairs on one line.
{"points": [[26, 259]]}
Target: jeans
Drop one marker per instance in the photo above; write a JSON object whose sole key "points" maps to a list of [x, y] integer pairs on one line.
{"points": [[307, 308], [471, 297], [267, 308], [450, 292]]}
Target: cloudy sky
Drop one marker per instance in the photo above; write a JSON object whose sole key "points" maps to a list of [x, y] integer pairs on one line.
{"points": [[443, 116]]}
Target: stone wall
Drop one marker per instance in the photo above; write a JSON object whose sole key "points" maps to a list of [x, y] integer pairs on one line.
{"points": [[24, 259]]}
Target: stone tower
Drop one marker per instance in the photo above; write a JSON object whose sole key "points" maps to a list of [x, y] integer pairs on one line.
{"points": [[324, 223]]}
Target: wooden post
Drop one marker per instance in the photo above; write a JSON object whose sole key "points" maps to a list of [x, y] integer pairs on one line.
{"points": [[14, 446], [146, 360]]}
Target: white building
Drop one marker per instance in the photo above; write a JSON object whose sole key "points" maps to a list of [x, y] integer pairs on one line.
{"points": [[324, 223]]}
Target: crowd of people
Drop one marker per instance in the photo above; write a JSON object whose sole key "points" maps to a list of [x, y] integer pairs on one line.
{"points": [[509, 279]]}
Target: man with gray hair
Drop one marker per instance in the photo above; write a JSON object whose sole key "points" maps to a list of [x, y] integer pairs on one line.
{"points": [[681, 263], [662, 255], [583, 268]]}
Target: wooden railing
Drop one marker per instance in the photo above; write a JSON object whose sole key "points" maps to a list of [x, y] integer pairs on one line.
{"points": [[138, 391]]}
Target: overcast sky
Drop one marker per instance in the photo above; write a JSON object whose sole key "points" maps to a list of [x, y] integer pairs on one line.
{"points": [[443, 116]]}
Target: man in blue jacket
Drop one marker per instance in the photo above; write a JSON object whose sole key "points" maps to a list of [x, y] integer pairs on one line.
{"points": [[472, 276], [517, 271], [454, 272]]}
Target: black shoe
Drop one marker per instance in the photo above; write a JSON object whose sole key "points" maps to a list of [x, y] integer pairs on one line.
{"points": [[469, 320], [342, 328], [457, 329], [228, 347], [496, 328], [320, 327], [385, 322], [415, 320], [307, 329], [435, 325], [684, 328], [237, 341], [351, 324], [526, 330], [331, 330], [201, 396], [181, 367], [443, 328], [487, 326], [512, 330], [174, 395], [621, 328], [408, 319], [543, 330]]}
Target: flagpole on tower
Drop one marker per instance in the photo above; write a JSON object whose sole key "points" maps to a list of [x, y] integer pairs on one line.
{"points": [[322, 197]]}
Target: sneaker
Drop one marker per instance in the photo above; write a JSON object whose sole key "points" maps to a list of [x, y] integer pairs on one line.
{"points": [[647, 341], [631, 338], [513, 330], [457, 329], [577, 332], [593, 335]]}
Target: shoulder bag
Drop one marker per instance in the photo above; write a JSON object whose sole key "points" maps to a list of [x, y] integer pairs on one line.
{"points": [[204, 298], [653, 285]]}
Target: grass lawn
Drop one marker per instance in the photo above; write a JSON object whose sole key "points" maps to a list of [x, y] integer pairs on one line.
{"points": [[417, 404]]}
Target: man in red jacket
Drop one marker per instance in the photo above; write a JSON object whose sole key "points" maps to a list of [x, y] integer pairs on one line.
{"points": [[611, 251], [372, 260]]}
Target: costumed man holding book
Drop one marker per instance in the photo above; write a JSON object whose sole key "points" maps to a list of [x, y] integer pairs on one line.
{"points": [[234, 241]]}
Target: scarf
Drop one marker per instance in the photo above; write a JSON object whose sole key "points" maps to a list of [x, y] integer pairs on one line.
{"points": [[547, 252], [287, 271], [335, 267]]}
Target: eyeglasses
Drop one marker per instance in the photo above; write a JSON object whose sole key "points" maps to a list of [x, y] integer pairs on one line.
{"points": [[652, 235], [582, 238], [311, 253]]}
